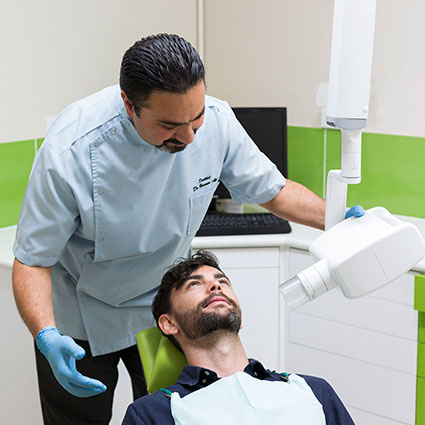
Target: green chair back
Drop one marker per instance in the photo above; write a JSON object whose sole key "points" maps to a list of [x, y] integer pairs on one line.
{"points": [[162, 361]]}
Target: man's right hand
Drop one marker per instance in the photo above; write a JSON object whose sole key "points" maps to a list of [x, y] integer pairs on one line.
{"points": [[61, 352]]}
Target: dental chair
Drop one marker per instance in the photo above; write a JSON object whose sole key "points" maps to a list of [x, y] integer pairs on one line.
{"points": [[162, 361]]}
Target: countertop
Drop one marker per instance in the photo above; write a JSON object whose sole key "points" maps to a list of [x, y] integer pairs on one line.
{"points": [[300, 237]]}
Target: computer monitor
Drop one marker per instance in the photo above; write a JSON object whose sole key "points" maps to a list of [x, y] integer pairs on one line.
{"points": [[267, 128]]}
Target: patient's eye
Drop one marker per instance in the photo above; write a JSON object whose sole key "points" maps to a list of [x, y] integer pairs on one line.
{"points": [[193, 283], [224, 282]]}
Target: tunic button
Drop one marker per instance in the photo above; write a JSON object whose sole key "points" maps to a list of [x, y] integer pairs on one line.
{"points": [[113, 132], [101, 239], [100, 191], [96, 144], [207, 373], [255, 373], [204, 381]]}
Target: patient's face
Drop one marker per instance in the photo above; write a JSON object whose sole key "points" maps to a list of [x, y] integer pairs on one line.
{"points": [[205, 303]]}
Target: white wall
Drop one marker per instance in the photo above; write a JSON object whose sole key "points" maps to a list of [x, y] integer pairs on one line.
{"points": [[276, 52], [272, 52], [398, 101], [54, 52], [269, 52]]}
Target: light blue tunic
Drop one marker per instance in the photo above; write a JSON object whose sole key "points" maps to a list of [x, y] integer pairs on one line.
{"points": [[111, 213]]}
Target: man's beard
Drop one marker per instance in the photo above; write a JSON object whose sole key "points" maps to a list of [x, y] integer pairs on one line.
{"points": [[167, 146], [197, 323]]}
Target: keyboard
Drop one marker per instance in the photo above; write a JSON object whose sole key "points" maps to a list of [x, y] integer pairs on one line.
{"points": [[218, 224]]}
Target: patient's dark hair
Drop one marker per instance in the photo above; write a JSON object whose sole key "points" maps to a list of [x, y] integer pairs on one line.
{"points": [[161, 62], [175, 277]]}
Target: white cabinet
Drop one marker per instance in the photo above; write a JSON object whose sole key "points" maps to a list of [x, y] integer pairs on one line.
{"points": [[366, 348], [254, 274]]}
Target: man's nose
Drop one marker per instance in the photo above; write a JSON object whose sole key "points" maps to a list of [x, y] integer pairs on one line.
{"points": [[185, 134], [215, 287]]}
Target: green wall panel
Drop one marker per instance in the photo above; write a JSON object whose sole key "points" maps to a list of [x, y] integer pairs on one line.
{"points": [[393, 174], [393, 170], [419, 304], [420, 293], [305, 157], [420, 401], [15, 165], [333, 150], [421, 330], [421, 358]]}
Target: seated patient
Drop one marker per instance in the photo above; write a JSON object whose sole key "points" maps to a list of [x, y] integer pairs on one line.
{"points": [[198, 310]]}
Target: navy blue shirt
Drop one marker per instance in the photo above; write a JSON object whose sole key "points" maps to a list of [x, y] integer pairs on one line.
{"points": [[155, 409]]}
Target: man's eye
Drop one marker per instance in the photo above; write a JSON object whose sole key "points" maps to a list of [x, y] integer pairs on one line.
{"points": [[166, 127], [225, 282], [193, 283]]}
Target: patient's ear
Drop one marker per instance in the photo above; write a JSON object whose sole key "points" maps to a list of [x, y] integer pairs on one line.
{"points": [[167, 325]]}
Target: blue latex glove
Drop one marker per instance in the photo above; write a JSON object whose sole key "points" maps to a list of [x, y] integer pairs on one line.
{"points": [[356, 211], [61, 352]]}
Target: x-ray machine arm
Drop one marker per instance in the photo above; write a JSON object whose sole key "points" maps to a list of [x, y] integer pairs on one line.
{"points": [[348, 95]]}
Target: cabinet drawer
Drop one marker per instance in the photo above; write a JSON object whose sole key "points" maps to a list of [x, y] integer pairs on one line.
{"points": [[352, 342], [373, 389], [299, 260], [360, 417], [401, 290], [371, 313]]}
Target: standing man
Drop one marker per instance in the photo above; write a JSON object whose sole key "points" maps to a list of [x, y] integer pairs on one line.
{"points": [[113, 199]]}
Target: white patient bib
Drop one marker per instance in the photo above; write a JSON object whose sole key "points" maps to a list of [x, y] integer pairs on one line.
{"points": [[242, 399]]}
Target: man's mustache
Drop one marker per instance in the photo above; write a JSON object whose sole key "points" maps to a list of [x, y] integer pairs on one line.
{"points": [[174, 140], [203, 303], [170, 141]]}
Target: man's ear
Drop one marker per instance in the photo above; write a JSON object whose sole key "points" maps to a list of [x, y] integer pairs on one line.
{"points": [[128, 105], [167, 325]]}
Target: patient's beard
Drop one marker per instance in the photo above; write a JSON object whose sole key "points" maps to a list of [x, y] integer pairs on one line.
{"points": [[197, 323]]}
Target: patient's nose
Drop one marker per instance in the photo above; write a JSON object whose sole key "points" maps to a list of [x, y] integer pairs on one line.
{"points": [[215, 287]]}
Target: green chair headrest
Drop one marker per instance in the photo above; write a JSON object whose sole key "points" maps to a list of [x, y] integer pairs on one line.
{"points": [[162, 361]]}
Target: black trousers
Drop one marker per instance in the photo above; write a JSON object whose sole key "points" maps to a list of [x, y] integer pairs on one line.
{"points": [[61, 408]]}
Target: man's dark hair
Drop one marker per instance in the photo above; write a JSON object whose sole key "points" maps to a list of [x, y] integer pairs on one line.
{"points": [[161, 62], [174, 279]]}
